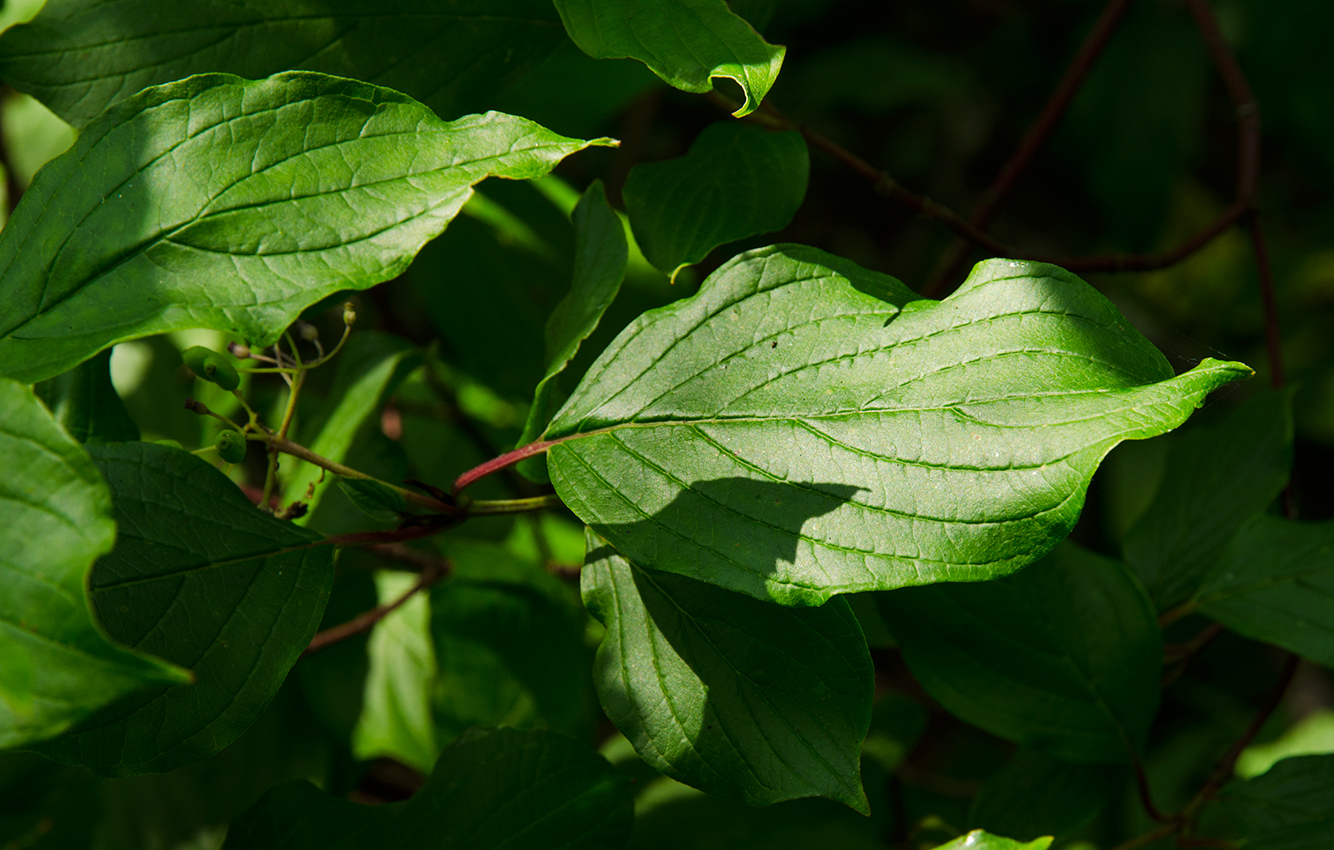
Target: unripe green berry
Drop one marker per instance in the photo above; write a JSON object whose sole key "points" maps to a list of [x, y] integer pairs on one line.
{"points": [[230, 446], [349, 314], [211, 366]]}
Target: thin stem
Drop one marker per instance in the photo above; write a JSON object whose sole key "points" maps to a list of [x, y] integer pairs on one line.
{"points": [[498, 463], [325, 358], [1273, 336], [285, 446], [1149, 837], [1036, 136], [1171, 615], [365, 622], [1145, 796], [271, 474], [485, 507]]}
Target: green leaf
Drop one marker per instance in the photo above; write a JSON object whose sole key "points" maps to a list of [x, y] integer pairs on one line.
{"points": [[1063, 657], [737, 180], [396, 718], [86, 404], [1217, 478], [803, 427], [509, 643], [370, 367], [493, 789], [1274, 583], [737, 697], [687, 43], [202, 578], [375, 499], [1289, 808], [1035, 795], [221, 203], [979, 840], [56, 664], [80, 56], [600, 257]]}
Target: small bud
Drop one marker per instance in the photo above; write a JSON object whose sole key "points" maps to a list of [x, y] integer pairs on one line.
{"points": [[211, 366], [196, 407], [230, 446], [239, 350], [349, 314]]}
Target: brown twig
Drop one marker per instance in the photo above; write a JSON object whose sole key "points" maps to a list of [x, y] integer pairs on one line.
{"points": [[1149, 837], [1145, 796], [437, 569], [1273, 337], [1035, 137]]}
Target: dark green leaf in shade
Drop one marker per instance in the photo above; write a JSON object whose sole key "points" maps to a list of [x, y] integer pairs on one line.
{"points": [[56, 664], [737, 180], [600, 256], [509, 646], [687, 43], [1275, 583], [979, 840], [1289, 808], [493, 789], [370, 367], [86, 404], [803, 427], [1217, 478], [80, 56], [375, 499], [201, 578], [220, 203], [737, 697], [1063, 657], [1035, 795]]}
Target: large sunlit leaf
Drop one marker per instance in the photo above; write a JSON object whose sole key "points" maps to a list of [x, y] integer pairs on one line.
{"points": [[494, 789], [686, 42], [56, 665], [803, 427], [1217, 478], [600, 256], [737, 180], [1289, 808], [1064, 657], [203, 579], [221, 203], [1275, 583], [738, 697], [80, 56]]}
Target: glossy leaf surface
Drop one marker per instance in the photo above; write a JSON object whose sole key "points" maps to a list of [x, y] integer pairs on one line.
{"points": [[803, 427], [1063, 657], [56, 664], [738, 697], [980, 840], [493, 789], [1275, 583], [80, 56], [737, 180], [162, 214], [685, 42], [203, 579], [1289, 808], [1217, 478], [600, 256]]}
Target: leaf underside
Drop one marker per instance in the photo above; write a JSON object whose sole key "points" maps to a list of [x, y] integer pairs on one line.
{"points": [[803, 427]]}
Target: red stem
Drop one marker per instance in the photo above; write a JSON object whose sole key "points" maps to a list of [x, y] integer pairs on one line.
{"points": [[505, 461]]}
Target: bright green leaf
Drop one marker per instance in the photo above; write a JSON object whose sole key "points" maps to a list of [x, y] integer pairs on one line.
{"points": [[86, 404], [1063, 657], [737, 697], [803, 427], [687, 43], [979, 840], [493, 789], [396, 718], [220, 203], [202, 578], [1217, 478], [1275, 583], [1312, 735], [370, 367], [80, 56], [600, 257], [737, 180], [1289, 808], [56, 665]]}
